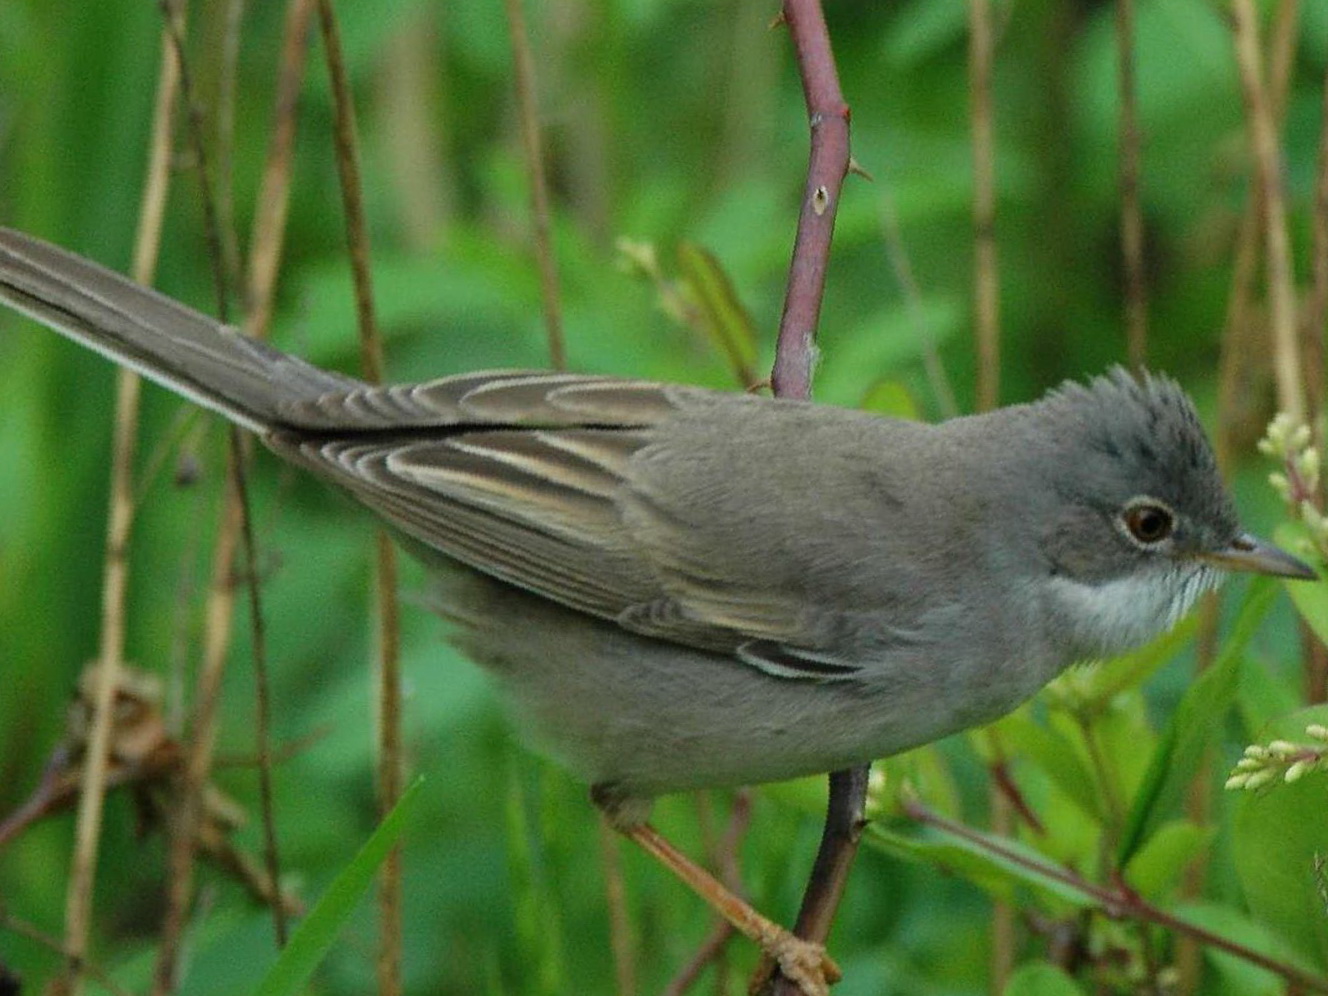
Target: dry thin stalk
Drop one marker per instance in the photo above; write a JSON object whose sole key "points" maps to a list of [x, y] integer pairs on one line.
{"points": [[235, 527], [1237, 348], [173, 18], [78, 903], [262, 686], [714, 945], [1282, 55], [390, 751], [524, 64], [1004, 936], [1316, 317], [225, 138], [903, 267], [274, 194], [620, 921], [1132, 218], [227, 237], [219, 612], [1239, 329], [987, 332], [415, 127], [723, 857], [1268, 167], [986, 282], [94, 971]]}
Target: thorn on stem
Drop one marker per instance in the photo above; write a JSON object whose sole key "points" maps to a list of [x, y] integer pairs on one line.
{"points": [[855, 168]]}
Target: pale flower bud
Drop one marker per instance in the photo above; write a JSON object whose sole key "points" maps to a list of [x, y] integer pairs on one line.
{"points": [[1259, 779], [1307, 466], [1297, 770]]}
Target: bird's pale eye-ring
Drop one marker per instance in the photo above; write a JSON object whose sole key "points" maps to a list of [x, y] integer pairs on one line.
{"points": [[1148, 522]]}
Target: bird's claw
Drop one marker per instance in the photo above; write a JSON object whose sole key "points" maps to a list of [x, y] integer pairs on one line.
{"points": [[802, 962]]}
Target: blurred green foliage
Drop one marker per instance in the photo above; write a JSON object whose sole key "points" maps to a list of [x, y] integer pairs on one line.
{"points": [[678, 124]]}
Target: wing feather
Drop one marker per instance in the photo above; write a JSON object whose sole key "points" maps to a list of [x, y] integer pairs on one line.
{"points": [[494, 398], [537, 479]]}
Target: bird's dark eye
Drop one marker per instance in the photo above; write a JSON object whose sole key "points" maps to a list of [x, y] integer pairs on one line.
{"points": [[1149, 522]]}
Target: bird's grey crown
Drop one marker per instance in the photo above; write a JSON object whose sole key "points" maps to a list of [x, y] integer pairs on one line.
{"points": [[1145, 431]]}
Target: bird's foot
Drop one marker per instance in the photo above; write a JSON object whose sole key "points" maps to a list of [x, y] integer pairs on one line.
{"points": [[804, 963]]}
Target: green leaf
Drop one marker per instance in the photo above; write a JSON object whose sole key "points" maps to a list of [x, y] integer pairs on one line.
{"points": [[1051, 751], [1180, 752], [1041, 978], [320, 929], [923, 29], [891, 397], [723, 316], [1310, 598], [538, 917], [1240, 974], [923, 772], [1157, 866], [1281, 840], [1102, 682], [996, 865]]}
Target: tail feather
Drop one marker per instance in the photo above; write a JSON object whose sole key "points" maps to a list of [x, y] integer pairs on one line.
{"points": [[179, 348]]}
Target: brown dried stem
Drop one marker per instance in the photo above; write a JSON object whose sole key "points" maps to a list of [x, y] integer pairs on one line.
{"points": [[1268, 169], [224, 114], [220, 611], [235, 528], [986, 281], [1132, 218], [390, 750], [620, 922], [229, 242], [528, 110], [1316, 310], [1237, 350], [269, 230], [78, 905], [94, 971], [897, 253]]}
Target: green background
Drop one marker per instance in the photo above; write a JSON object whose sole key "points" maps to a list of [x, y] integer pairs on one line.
{"points": [[666, 121]]}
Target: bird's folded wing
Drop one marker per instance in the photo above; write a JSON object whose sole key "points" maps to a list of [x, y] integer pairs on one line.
{"points": [[525, 479], [515, 398]]}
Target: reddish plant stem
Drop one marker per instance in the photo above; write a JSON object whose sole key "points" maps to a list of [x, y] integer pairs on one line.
{"points": [[1117, 901], [829, 118], [795, 356]]}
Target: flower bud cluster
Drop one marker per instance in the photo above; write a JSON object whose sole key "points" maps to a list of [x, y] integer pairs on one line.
{"points": [[1264, 764], [1291, 442]]}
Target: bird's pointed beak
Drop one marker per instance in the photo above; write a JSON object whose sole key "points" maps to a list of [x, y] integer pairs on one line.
{"points": [[1246, 553]]}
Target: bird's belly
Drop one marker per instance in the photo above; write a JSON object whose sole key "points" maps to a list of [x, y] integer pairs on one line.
{"points": [[653, 717]]}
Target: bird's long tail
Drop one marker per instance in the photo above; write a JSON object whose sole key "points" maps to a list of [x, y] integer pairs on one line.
{"points": [[179, 348]]}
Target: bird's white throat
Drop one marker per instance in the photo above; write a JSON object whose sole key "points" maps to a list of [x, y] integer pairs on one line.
{"points": [[1113, 617]]}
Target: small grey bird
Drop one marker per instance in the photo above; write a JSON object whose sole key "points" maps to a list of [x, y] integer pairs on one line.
{"points": [[682, 588]]}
